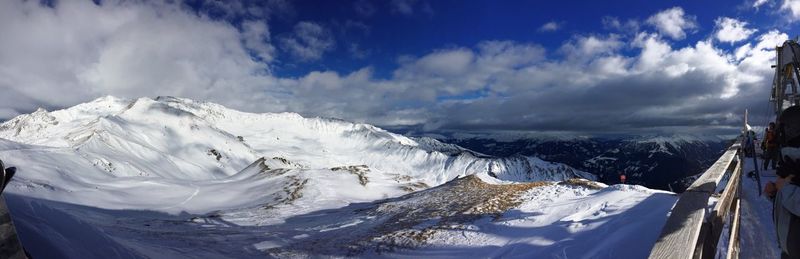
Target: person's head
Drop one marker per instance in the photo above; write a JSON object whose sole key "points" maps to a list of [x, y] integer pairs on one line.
{"points": [[771, 125]]}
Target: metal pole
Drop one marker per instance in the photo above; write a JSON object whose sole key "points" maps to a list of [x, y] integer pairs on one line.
{"points": [[752, 144]]}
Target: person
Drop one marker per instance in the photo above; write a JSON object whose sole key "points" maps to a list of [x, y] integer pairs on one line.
{"points": [[785, 193], [622, 178], [770, 147]]}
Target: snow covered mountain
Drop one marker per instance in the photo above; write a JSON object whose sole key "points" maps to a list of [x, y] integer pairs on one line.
{"points": [[179, 138], [171, 177], [660, 162]]}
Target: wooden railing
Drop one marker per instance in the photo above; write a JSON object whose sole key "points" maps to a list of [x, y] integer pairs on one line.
{"points": [[691, 232]]}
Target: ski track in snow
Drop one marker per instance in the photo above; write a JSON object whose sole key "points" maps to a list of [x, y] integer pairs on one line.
{"points": [[191, 196], [175, 178]]}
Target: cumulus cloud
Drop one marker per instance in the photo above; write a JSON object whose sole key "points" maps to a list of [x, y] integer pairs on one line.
{"points": [[658, 89], [550, 26], [309, 41], [673, 22], [731, 30], [683, 88], [514, 86]]}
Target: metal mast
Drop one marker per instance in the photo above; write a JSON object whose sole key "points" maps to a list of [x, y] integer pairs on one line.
{"points": [[785, 81]]}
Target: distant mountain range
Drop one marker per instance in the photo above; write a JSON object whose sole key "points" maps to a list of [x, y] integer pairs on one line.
{"points": [[661, 162]]}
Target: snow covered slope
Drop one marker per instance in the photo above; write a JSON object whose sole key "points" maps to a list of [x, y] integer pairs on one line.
{"points": [[171, 177]]}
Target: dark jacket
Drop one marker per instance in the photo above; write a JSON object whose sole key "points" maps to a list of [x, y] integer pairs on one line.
{"points": [[770, 139]]}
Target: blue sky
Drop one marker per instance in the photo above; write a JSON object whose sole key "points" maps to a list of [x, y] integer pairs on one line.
{"points": [[591, 67]]}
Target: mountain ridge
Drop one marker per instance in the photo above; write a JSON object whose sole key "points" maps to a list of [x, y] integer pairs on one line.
{"points": [[655, 161]]}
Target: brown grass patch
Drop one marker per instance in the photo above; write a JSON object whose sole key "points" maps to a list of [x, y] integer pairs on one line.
{"points": [[582, 182], [359, 171]]}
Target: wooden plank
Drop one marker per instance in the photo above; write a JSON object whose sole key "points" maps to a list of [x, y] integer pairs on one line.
{"points": [[721, 211], [681, 232], [733, 243], [729, 194], [710, 179]]}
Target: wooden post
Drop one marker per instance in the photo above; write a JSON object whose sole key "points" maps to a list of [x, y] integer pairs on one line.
{"points": [[733, 243], [722, 210], [779, 85]]}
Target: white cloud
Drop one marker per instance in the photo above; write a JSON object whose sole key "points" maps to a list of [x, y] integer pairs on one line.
{"points": [[760, 57], [357, 52], [403, 6], [759, 3], [653, 49], [731, 30], [742, 51], [234, 9], [550, 26], [771, 39], [613, 23], [309, 41], [591, 46], [440, 71], [256, 37], [792, 7], [408, 7], [452, 62], [78, 50], [673, 22]]}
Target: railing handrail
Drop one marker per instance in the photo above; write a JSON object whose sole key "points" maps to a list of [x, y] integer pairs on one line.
{"points": [[688, 232]]}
